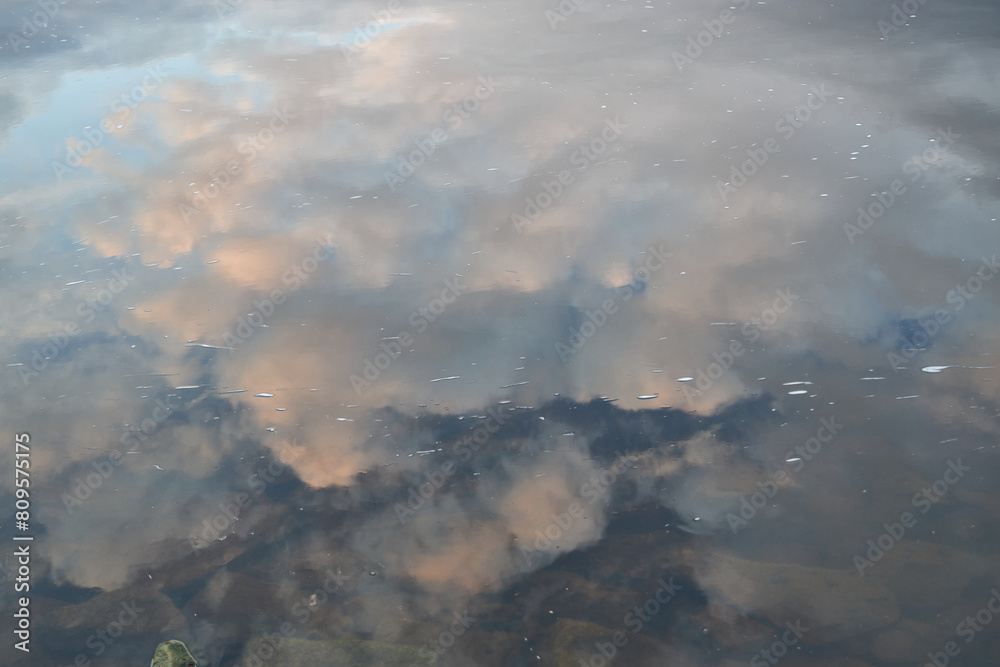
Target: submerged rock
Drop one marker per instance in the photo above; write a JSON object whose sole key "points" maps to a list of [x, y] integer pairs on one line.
{"points": [[926, 575], [571, 643], [731, 629], [833, 604], [172, 654], [132, 618]]}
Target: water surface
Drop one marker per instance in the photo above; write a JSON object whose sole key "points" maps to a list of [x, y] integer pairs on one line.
{"points": [[641, 333]]}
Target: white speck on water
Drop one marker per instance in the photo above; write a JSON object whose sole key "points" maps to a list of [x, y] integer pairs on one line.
{"points": [[899, 398], [450, 377], [157, 467], [789, 384], [263, 395], [798, 391], [873, 378], [646, 397], [685, 379], [935, 369]]}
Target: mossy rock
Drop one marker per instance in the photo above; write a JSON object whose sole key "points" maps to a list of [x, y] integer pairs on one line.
{"points": [[834, 604], [172, 654], [346, 652]]}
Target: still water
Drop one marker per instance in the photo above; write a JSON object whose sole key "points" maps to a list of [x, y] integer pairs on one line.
{"points": [[500, 333]]}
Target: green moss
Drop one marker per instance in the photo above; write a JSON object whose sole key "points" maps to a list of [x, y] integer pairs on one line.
{"points": [[172, 654]]}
